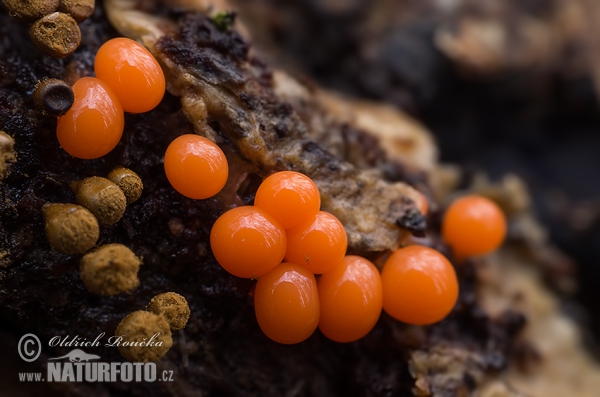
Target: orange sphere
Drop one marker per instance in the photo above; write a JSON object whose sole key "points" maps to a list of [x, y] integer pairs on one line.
{"points": [[419, 285], [319, 244], [473, 225], [290, 197], [286, 303], [132, 72], [351, 299], [195, 166], [94, 124], [247, 242]]}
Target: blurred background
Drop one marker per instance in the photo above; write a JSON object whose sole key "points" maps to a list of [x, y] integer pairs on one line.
{"points": [[506, 86]]}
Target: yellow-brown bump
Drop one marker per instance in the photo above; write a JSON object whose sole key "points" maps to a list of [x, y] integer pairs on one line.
{"points": [[80, 10], [129, 182], [71, 229], [56, 34], [142, 325], [102, 197], [110, 270], [173, 307], [31, 9]]}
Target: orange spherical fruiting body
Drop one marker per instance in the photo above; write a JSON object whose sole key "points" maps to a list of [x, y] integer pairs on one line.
{"points": [[290, 197], [319, 244], [419, 285], [473, 225], [94, 124], [247, 242], [132, 72], [195, 166], [286, 303], [351, 299]]}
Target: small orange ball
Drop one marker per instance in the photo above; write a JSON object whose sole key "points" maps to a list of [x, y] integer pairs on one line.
{"points": [[286, 303], [132, 72], [419, 285], [290, 197], [195, 166], [319, 244], [93, 126], [247, 242], [473, 225], [351, 299]]}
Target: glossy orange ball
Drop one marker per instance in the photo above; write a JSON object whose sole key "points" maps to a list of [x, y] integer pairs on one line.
{"points": [[247, 242], [351, 299], [473, 225], [195, 166], [419, 285], [94, 124], [290, 197], [319, 244], [132, 72], [286, 303]]}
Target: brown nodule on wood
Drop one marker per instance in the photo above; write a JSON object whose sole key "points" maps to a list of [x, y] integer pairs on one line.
{"points": [[129, 182], [80, 10], [71, 229], [110, 270], [102, 197], [54, 97], [31, 9], [142, 325], [56, 34], [173, 307]]}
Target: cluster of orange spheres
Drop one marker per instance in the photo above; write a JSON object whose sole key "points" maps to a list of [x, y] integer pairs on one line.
{"points": [[128, 79], [305, 278]]}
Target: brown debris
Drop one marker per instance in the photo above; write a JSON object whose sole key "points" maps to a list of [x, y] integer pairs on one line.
{"points": [[555, 363], [7, 153], [441, 371], [274, 136]]}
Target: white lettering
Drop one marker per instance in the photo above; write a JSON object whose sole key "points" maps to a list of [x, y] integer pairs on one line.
{"points": [[126, 372], [138, 371], [150, 372], [91, 372], [97, 372], [114, 370], [54, 372], [79, 371], [68, 375], [96, 342], [103, 372], [114, 341]]}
